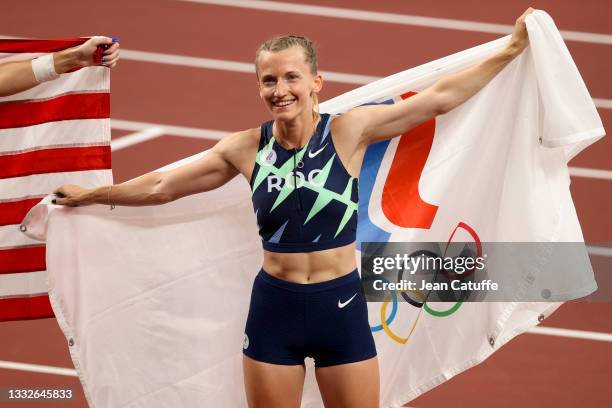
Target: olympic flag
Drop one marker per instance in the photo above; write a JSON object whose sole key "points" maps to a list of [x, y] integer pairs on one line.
{"points": [[154, 302], [54, 133]]}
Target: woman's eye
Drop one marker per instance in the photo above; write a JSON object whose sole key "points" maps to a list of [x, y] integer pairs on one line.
{"points": [[268, 83]]}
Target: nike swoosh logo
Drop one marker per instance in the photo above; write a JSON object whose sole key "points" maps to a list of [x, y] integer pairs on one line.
{"points": [[311, 154], [341, 305]]}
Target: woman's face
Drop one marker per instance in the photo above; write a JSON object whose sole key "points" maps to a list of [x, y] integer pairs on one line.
{"points": [[286, 83]]}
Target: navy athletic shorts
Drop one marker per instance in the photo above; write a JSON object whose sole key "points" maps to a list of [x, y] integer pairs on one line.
{"points": [[327, 321]]}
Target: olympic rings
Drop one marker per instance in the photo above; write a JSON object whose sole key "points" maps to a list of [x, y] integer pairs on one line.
{"points": [[447, 312], [401, 274], [443, 313], [421, 303], [401, 340], [393, 311]]}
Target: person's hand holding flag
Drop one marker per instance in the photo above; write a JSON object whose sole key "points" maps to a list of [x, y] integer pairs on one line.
{"points": [[97, 50], [20, 76]]}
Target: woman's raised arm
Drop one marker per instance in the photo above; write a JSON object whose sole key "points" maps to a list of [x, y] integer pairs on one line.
{"points": [[376, 123]]}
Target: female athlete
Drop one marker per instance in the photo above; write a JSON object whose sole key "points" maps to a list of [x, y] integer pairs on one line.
{"points": [[303, 168]]}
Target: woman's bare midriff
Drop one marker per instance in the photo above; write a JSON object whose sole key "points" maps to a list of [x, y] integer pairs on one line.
{"points": [[311, 267]]}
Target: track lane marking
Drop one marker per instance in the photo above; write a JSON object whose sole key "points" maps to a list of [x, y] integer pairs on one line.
{"points": [[135, 138], [541, 330], [393, 18], [232, 66], [38, 368], [249, 68], [569, 333], [590, 173], [211, 134], [603, 103], [168, 130], [599, 250]]}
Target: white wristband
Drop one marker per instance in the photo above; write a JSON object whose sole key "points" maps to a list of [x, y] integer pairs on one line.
{"points": [[44, 68]]}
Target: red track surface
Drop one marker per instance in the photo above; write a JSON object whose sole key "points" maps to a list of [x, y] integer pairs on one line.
{"points": [[532, 370]]}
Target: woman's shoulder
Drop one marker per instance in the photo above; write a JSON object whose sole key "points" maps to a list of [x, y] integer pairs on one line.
{"points": [[241, 139], [347, 124], [239, 149], [239, 146]]}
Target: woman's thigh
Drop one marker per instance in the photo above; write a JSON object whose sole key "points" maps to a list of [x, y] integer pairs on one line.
{"points": [[272, 385], [354, 385]]}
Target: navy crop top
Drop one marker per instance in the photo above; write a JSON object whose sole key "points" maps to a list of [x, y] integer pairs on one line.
{"points": [[304, 199]]}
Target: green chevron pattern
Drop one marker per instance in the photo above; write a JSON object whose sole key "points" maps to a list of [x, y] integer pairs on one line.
{"points": [[324, 196]]}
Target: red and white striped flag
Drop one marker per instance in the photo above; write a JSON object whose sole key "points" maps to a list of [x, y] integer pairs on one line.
{"points": [[55, 133]]}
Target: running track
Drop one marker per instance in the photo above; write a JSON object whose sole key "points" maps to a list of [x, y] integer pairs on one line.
{"points": [[165, 107]]}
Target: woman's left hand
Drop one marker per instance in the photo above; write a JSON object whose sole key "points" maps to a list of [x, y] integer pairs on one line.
{"points": [[520, 39], [85, 53]]}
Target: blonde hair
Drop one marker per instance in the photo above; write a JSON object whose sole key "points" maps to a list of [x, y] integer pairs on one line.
{"points": [[283, 42]]}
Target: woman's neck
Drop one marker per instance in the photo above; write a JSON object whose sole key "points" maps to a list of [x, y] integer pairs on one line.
{"points": [[295, 133]]}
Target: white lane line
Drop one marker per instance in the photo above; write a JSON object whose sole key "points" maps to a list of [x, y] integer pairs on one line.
{"points": [[547, 331], [574, 334], [590, 173], [603, 103], [344, 78], [168, 129], [249, 68], [37, 368], [142, 127], [392, 18], [232, 66], [223, 65], [186, 61], [135, 138], [599, 250]]}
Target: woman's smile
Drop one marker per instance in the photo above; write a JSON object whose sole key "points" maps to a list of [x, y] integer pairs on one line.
{"points": [[284, 103]]}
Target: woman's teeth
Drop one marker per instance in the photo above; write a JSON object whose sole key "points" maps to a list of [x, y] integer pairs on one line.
{"points": [[282, 104]]}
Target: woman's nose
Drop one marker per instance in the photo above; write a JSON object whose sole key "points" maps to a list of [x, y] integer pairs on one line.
{"points": [[280, 89]]}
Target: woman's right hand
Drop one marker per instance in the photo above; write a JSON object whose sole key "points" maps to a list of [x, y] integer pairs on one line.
{"points": [[71, 195]]}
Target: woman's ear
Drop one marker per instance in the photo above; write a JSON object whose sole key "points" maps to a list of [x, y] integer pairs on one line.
{"points": [[318, 83]]}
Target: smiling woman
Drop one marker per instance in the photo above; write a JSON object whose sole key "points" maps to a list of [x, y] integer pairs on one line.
{"points": [[290, 45], [302, 167]]}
